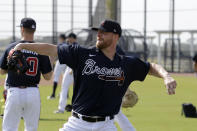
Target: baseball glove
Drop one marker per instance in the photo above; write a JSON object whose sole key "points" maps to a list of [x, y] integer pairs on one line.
{"points": [[130, 99], [17, 62]]}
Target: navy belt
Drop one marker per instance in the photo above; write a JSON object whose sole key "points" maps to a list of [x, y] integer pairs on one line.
{"points": [[91, 119], [23, 87]]}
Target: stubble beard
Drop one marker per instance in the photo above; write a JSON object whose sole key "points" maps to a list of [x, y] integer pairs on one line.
{"points": [[102, 45]]}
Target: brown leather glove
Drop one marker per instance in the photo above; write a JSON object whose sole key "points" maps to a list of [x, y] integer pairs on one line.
{"points": [[17, 62], [130, 99]]}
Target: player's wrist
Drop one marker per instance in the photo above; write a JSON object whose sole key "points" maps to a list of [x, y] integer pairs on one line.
{"points": [[166, 75]]}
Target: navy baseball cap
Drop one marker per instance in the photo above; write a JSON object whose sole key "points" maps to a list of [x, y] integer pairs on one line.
{"points": [[28, 23], [62, 36], [109, 26], [72, 35]]}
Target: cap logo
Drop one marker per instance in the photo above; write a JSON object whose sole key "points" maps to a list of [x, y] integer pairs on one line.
{"points": [[115, 30], [33, 26]]}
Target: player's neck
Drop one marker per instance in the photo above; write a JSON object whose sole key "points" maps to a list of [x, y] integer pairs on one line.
{"points": [[28, 38], [109, 52]]}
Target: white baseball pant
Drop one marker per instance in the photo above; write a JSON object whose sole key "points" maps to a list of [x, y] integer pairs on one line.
{"points": [[75, 124], [59, 68], [66, 83], [21, 103], [123, 122], [5, 87]]}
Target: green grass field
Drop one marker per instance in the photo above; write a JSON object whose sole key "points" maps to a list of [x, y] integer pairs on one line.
{"points": [[155, 111]]}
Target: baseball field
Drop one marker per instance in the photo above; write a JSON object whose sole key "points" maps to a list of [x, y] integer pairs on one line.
{"points": [[155, 110]]}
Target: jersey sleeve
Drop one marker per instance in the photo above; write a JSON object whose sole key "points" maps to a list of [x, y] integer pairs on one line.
{"points": [[140, 69], [45, 64], [68, 55]]}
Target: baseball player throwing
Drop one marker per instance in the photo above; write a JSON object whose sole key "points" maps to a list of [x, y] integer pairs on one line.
{"points": [[23, 97], [101, 78]]}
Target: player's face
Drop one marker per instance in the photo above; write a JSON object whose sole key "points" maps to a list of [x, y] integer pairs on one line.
{"points": [[61, 40], [104, 39], [70, 40]]}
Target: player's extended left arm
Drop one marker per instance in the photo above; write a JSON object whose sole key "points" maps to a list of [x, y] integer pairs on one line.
{"points": [[159, 71]]}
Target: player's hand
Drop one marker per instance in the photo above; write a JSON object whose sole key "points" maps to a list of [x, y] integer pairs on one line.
{"points": [[71, 72], [170, 84], [52, 59]]}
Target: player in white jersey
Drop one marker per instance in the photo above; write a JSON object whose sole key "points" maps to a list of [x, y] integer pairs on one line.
{"points": [[59, 68], [67, 80]]}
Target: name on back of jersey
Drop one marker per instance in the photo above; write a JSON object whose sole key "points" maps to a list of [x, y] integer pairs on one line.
{"points": [[29, 52]]}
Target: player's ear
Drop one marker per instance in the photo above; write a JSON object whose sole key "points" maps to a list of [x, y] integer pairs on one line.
{"points": [[22, 28], [116, 36]]}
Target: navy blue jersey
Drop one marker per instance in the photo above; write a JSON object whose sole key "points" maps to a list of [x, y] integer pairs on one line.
{"points": [[38, 64], [119, 50], [100, 83], [63, 43], [75, 43]]}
